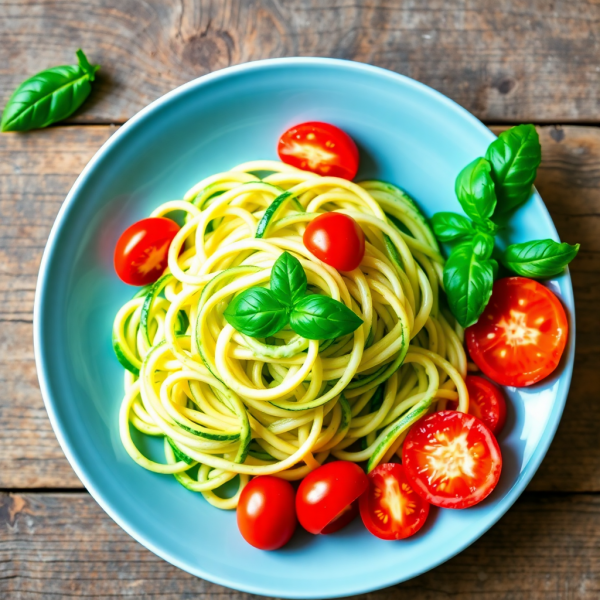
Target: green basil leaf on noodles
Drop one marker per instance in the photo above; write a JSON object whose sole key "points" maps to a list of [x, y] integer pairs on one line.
{"points": [[288, 280], [322, 318], [256, 312]]}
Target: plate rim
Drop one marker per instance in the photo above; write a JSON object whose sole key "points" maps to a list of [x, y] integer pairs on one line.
{"points": [[43, 285]]}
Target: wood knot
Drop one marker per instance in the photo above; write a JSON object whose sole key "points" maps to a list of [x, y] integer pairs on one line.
{"points": [[505, 85], [10, 507], [557, 133], [210, 50]]}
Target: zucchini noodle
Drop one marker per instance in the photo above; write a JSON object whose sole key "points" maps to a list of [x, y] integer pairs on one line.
{"points": [[227, 404]]}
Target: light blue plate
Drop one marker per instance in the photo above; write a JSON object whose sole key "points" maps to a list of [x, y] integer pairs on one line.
{"points": [[408, 134]]}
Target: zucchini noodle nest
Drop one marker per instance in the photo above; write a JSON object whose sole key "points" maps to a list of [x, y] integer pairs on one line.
{"points": [[227, 404]]}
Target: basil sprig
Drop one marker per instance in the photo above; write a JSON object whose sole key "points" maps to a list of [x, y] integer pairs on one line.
{"points": [[541, 258], [49, 96], [261, 312], [488, 189]]}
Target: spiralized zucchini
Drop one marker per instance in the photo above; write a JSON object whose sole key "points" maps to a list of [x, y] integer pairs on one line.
{"points": [[227, 404]]}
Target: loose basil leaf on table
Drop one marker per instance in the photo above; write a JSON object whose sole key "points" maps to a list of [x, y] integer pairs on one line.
{"points": [[540, 258], [514, 158], [468, 281], [449, 226], [475, 191], [256, 312], [288, 279], [49, 96], [323, 318]]}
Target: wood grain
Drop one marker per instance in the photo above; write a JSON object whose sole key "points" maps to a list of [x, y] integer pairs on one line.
{"points": [[36, 172], [55, 546], [510, 61]]}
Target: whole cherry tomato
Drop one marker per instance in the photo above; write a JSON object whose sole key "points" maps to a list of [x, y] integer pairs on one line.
{"points": [[326, 498], [486, 402], [141, 254], [521, 334], [390, 508], [265, 514], [320, 148], [451, 459], [336, 239]]}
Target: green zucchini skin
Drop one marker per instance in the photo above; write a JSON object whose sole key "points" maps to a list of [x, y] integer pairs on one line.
{"points": [[273, 211], [122, 357], [396, 428]]}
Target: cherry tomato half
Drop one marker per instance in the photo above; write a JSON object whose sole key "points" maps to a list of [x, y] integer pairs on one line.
{"points": [[452, 459], [521, 334], [320, 148], [486, 402], [390, 508], [336, 239], [142, 251], [325, 498], [265, 514]]}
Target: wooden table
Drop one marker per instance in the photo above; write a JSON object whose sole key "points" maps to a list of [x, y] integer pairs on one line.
{"points": [[507, 61]]}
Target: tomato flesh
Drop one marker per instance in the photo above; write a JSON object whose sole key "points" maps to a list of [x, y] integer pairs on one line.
{"points": [[325, 496], [141, 254], [336, 239], [521, 335], [486, 402], [452, 459], [266, 514], [390, 508], [320, 148]]}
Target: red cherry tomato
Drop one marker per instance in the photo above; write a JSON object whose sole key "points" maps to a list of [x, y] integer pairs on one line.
{"points": [[521, 334], [142, 251], [390, 508], [452, 459], [336, 239], [265, 514], [325, 497], [320, 148], [486, 402]]}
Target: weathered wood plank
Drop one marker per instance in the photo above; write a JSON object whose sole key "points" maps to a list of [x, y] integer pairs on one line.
{"points": [[569, 183], [36, 172], [56, 546], [519, 60]]}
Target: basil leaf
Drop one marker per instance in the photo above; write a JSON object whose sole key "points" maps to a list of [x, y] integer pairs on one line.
{"points": [[483, 245], [449, 226], [323, 318], [468, 282], [49, 96], [288, 279], [514, 157], [540, 258], [475, 191], [257, 313]]}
